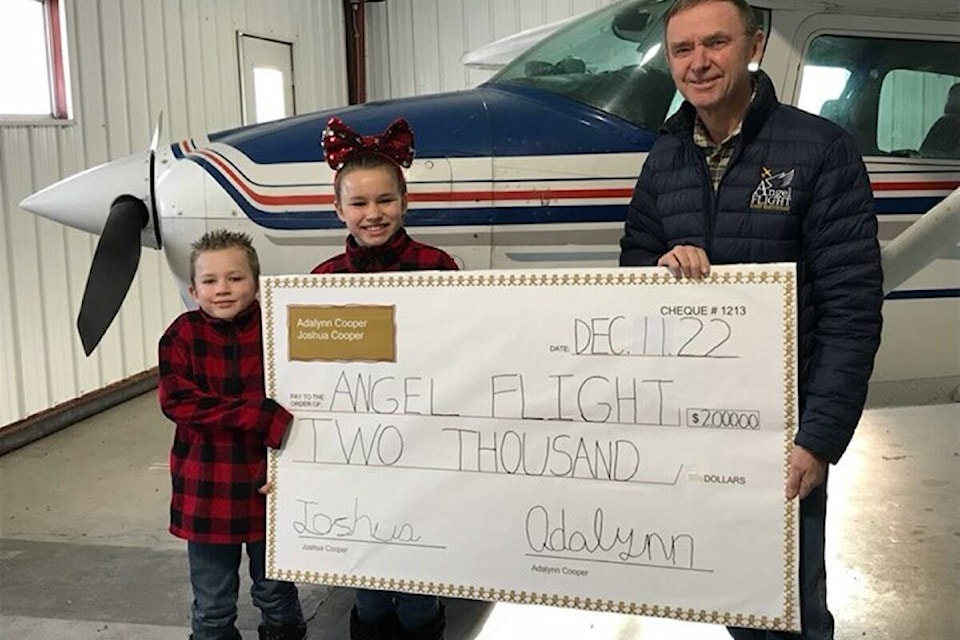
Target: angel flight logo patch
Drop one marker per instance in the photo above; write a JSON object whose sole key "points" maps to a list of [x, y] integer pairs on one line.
{"points": [[774, 191]]}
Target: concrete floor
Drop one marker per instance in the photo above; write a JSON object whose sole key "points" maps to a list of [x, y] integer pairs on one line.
{"points": [[85, 553]]}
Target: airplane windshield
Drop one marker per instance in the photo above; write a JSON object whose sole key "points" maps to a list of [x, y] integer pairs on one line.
{"points": [[612, 60]]}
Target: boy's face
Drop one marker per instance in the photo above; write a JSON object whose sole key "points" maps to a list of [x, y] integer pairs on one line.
{"points": [[371, 205], [224, 284]]}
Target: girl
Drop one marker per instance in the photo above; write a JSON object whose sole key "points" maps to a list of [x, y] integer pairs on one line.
{"points": [[370, 197]]}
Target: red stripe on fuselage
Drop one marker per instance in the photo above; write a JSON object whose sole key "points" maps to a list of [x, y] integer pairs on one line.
{"points": [[489, 195], [525, 194], [914, 186], [306, 199]]}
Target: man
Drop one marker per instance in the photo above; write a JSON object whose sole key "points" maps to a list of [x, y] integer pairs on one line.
{"points": [[740, 178]]}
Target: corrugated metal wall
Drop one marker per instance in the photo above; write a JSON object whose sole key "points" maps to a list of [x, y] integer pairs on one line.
{"points": [[414, 46], [129, 59]]}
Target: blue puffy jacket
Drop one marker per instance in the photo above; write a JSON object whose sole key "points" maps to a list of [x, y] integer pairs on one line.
{"points": [[796, 190]]}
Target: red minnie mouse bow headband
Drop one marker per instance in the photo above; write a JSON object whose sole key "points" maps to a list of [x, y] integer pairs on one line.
{"points": [[341, 143]]}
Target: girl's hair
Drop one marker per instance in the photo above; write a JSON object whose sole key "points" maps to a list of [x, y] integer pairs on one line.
{"points": [[747, 16], [369, 160], [224, 239]]}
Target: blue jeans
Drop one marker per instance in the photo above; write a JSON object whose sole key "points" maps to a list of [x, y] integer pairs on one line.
{"points": [[414, 611], [816, 620], [215, 578]]}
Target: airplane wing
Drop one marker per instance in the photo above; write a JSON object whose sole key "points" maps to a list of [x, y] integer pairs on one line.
{"points": [[497, 54]]}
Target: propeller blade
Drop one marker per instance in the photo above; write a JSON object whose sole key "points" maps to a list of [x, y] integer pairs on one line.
{"points": [[154, 142], [156, 133], [114, 265]]}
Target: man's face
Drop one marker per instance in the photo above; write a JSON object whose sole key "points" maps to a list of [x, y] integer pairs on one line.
{"points": [[709, 54]]}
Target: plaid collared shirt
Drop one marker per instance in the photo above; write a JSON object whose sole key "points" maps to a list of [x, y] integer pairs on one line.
{"points": [[717, 155]]}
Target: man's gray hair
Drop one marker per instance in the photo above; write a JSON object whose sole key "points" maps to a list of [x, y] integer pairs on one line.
{"points": [[747, 16]]}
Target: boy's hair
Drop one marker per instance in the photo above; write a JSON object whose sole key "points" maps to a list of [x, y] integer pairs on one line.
{"points": [[369, 161], [747, 16], [224, 239]]}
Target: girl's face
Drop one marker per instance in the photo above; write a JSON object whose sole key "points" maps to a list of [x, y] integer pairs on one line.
{"points": [[370, 203]]}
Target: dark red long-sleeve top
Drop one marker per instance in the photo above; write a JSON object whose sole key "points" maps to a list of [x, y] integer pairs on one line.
{"points": [[400, 253], [211, 386]]}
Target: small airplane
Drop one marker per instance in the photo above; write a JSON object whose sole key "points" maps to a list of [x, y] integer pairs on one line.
{"points": [[534, 168]]}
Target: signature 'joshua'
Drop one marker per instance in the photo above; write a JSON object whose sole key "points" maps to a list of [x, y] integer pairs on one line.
{"points": [[358, 525]]}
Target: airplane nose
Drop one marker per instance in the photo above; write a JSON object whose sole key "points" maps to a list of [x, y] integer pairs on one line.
{"points": [[83, 201], [116, 201]]}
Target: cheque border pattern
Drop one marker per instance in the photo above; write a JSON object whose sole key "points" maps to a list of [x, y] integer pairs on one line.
{"points": [[789, 433], [623, 277], [270, 382]]}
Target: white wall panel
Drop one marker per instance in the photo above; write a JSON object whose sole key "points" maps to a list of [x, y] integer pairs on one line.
{"points": [[177, 113], [195, 88], [453, 75], [477, 18], [557, 10], [24, 268], [11, 390], [129, 60], [378, 51], [426, 53], [209, 55], [531, 14], [504, 18], [414, 46], [52, 264]]}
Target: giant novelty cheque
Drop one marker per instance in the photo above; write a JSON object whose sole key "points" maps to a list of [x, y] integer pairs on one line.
{"points": [[607, 439]]}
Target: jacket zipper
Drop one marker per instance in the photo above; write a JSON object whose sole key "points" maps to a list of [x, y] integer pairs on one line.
{"points": [[709, 203], [715, 192]]}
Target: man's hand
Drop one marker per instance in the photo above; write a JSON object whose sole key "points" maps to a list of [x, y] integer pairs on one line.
{"points": [[806, 473], [686, 261], [266, 489]]}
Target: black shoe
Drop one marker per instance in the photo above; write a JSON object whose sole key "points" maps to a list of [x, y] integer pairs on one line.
{"points": [[382, 629], [236, 636], [284, 632], [433, 630]]}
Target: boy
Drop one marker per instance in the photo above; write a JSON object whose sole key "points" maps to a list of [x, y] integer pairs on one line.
{"points": [[211, 386]]}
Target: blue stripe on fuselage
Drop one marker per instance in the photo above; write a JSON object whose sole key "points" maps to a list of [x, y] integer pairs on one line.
{"points": [[923, 294], [488, 121], [895, 205]]}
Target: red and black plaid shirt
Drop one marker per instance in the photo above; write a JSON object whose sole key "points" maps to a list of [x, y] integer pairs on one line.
{"points": [[400, 253], [211, 386]]}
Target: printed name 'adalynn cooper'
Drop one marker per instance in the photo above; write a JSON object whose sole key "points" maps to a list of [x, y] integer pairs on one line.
{"points": [[567, 571]]}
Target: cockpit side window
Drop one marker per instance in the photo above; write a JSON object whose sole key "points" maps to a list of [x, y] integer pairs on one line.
{"points": [[893, 95], [613, 60], [931, 125]]}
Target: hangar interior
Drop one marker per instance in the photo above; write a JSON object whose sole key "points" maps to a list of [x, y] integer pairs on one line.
{"points": [[83, 540]]}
